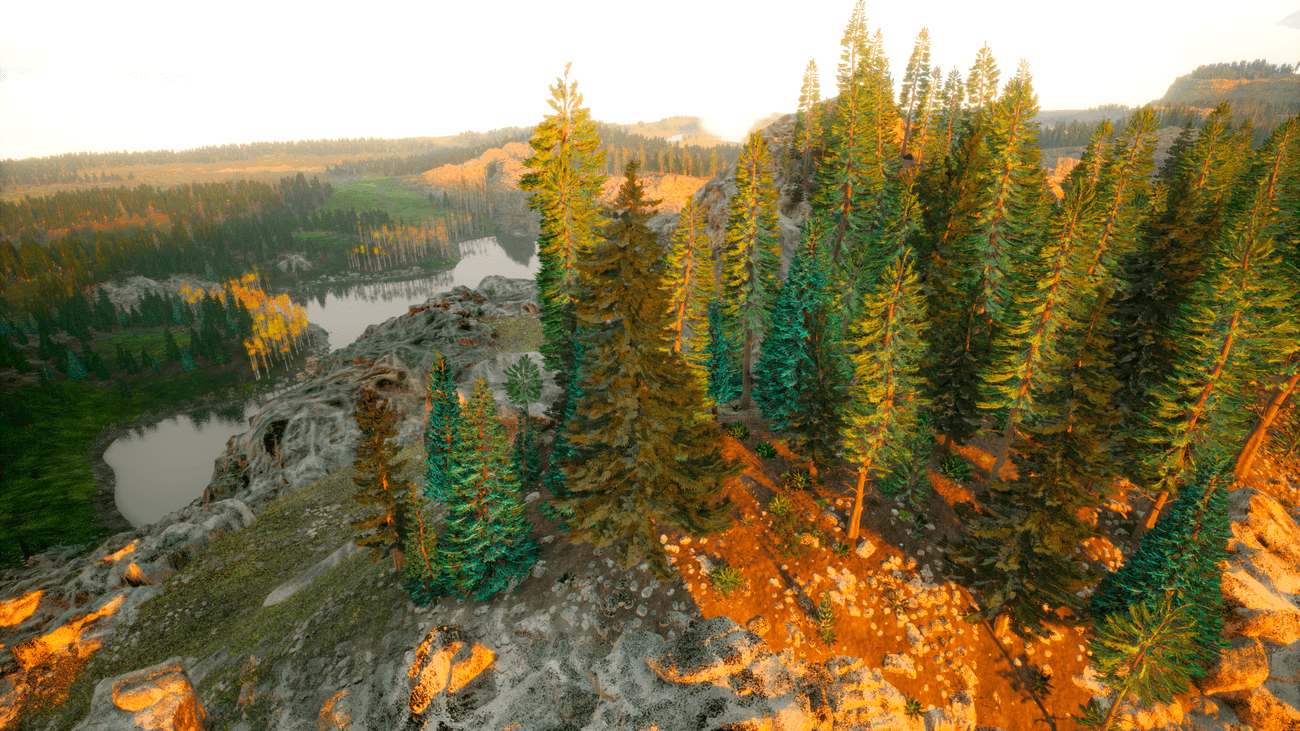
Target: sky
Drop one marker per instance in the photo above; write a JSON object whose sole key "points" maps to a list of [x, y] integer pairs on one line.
{"points": [[94, 76]]}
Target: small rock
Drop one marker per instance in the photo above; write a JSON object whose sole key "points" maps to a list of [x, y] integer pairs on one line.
{"points": [[532, 496], [642, 610]]}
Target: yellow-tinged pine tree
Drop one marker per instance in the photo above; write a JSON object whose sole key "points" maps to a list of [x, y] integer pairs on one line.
{"points": [[885, 395], [751, 260], [566, 172], [691, 280]]}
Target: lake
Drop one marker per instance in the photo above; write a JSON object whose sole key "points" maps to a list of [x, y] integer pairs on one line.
{"points": [[164, 467]]}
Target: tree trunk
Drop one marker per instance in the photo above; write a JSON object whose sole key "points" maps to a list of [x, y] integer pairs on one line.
{"points": [[1256, 438], [397, 559], [857, 504], [1150, 523], [1004, 448]]}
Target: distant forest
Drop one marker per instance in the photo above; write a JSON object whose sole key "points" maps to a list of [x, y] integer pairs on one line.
{"points": [[1257, 69]]}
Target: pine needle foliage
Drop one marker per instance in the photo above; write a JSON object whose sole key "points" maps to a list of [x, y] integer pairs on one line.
{"points": [[377, 478], [422, 573], [724, 378], [441, 427], [752, 255], [1181, 554], [1146, 651], [885, 394], [640, 459], [691, 279], [816, 420], [523, 387], [566, 172], [486, 542], [783, 349]]}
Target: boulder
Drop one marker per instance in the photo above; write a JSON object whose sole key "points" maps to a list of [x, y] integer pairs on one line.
{"points": [[443, 664], [709, 651], [1261, 582], [157, 697], [304, 579], [1259, 709], [1242, 667]]}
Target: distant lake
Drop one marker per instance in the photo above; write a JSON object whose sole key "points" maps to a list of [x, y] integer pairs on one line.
{"points": [[165, 467]]}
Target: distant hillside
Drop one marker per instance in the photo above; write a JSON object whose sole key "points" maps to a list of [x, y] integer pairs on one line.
{"points": [[683, 129]]}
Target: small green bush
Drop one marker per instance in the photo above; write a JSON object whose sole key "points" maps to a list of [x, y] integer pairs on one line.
{"points": [[736, 429], [826, 621], [726, 579], [180, 560], [912, 708], [955, 468], [1040, 682], [797, 480], [891, 485], [779, 506], [765, 450], [841, 549]]}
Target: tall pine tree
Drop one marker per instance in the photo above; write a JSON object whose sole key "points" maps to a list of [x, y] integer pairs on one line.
{"points": [[441, 426], [640, 459], [377, 477]]}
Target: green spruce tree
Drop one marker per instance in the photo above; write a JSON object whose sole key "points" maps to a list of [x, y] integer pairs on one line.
{"points": [[441, 427]]}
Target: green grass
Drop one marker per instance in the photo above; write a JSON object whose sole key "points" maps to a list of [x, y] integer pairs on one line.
{"points": [[45, 435], [350, 602], [377, 194]]}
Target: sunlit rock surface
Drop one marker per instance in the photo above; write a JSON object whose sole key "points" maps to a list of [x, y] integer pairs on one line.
{"points": [[159, 697]]}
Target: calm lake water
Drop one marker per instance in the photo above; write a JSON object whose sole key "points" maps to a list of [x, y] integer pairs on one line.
{"points": [[164, 467]]}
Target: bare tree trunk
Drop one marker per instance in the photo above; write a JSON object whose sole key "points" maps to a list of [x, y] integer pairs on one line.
{"points": [[857, 503], [1256, 438], [747, 379]]}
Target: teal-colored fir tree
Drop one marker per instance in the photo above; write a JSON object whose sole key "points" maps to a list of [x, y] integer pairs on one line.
{"points": [[76, 370], [524, 387], [724, 373], [187, 361], [441, 427], [777, 383], [486, 543]]}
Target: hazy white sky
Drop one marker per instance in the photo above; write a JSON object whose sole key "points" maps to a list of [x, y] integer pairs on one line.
{"points": [[96, 76]]}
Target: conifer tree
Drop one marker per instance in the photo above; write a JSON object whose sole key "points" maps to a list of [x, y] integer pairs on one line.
{"points": [[982, 83], [422, 572], [187, 360], [440, 429], [173, 351], [723, 375], [1181, 556], [523, 387], [885, 393], [783, 349], [486, 543], [565, 178], [807, 135], [640, 459], [377, 478], [692, 283], [1146, 652], [916, 82], [1230, 332], [816, 419], [752, 257]]}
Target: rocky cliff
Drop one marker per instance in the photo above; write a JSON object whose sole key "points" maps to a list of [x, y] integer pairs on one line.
{"points": [[1209, 93]]}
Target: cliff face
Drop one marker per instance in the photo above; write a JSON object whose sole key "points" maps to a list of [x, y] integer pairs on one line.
{"points": [[1209, 93]]}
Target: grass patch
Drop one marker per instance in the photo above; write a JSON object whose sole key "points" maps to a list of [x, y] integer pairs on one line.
{"points": [[382, 194], [221, 607], [518, 334]]}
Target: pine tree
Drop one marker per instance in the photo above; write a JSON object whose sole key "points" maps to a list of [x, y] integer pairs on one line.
{"points": [[752, 257], [105, 313], [1145, 652], [1180, 556], [916, 84], [1230, 335], [565, 178], [377, 478], [486, 543], [441, 427], [187, 360], [783, 348], [692, 283], [422, 572], [523, 387], [76, 371], [173, 351], [982, 84], [807, 134], [723, 374], [816, 419], [640, 458], [885, 392]]}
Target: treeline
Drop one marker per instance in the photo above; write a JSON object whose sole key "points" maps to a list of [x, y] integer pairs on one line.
{"points": [[30, 217], [415, 164], [939, 292], [66, 168], [1257, 69], [656, 154], [1262, 116]]}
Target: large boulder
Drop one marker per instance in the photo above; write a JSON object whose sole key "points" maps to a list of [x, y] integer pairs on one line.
{"points": [[158, 697], [1242, 667], [1261, 580], [1259, 709]]}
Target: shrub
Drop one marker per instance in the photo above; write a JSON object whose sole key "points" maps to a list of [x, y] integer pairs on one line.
{"points": [[1040, 682], [765, 450], [797, 480], [826, 621], [181, 559], [955, 468], [912, 708], [841, 549], [726, 579], [778, 506], [736, 429]]}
